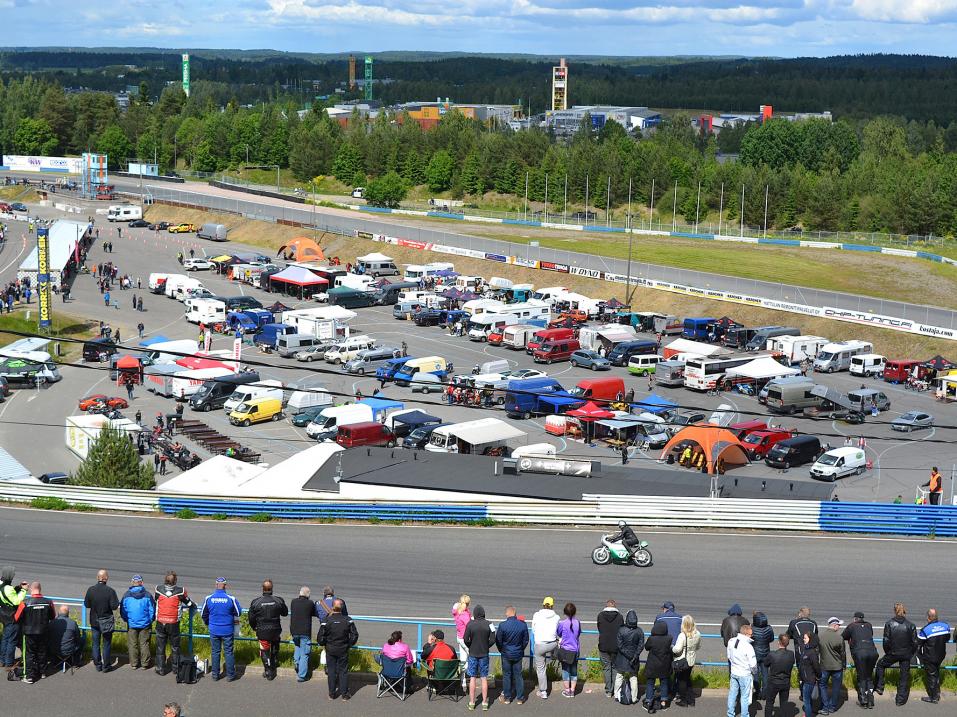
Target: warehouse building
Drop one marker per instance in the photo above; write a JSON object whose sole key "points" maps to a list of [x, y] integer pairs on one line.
{"points": [[565, 123]]}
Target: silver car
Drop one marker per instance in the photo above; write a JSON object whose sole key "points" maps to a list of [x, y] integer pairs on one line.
{"points": [[912, 420]]}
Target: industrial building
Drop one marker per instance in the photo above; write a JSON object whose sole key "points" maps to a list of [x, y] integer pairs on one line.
{"points": [[715, 123], [565, 123], [428, 114]]}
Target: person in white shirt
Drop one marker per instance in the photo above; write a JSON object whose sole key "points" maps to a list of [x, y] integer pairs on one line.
{"points": [[544, 627], [743, 665]]}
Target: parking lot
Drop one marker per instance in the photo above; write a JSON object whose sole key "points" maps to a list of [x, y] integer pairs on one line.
{"points": [[31, 418]]}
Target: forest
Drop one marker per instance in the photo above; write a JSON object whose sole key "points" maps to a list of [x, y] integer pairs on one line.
{"points": [[881, 174]]}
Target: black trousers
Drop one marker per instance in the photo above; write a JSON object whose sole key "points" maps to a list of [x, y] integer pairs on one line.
{"points": [[864, 667], [903, 683], [683, 685], [932, 678], [35, 661], [167, 633], [935, 498], [337, 673], [269, 655], [779, 692]]}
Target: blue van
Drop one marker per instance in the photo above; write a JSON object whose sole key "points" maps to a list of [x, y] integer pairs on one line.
{"points": [[696, 328], [268, 337], [529, 397], [390, 368], [621, 353]]}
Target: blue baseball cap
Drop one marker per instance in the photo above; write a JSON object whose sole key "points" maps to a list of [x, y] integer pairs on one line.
{"points": [[136, 579], [221, 580]]}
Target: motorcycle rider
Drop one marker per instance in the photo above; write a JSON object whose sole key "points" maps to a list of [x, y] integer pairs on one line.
{"points": [[627, 537]]}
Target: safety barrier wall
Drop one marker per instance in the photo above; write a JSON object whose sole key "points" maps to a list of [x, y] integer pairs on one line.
{"points": [[594, 509]]}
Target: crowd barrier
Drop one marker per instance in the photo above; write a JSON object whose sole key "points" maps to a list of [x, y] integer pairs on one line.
{"points": [[645, 511]]}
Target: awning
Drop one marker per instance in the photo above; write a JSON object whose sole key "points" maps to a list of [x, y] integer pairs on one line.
{"points": [[221, 258], [158, 339], [129, 361], [655, 404], [382, 404], [618, 423], [298, 276], [197, 363], [590, 411], [374, 256], [834, 396], [416, 418], [696, 348], [488, 431], [762, 368], [560, 401]]}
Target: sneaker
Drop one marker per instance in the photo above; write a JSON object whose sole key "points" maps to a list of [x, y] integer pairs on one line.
{"points": [[931, 700], [506, 701], [485, 706], [520, 701], [879, 690], [543, 694], [471, 707], [29, 680]]}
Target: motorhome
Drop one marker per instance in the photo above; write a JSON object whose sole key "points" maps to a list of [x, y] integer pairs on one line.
{"points": [[358, 282], [481, 306], [479, 436], [415, 272], [797, 349], [124, 213], [837, 356], [481, 325], [325, 426], [377, 265]]}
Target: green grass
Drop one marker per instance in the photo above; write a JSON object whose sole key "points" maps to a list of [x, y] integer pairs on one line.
{"points": [[49, 502], [186, 514], [259, 517], [64, 326]]}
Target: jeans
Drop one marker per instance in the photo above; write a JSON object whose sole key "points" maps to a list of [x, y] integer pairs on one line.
{"points": [[903, 684], [222, 644], [513, 683], [607, 660], [8, 645], [740, 687], [102, 644], [337, 674], [650, 689], [300, 656], [167, 633], [779, 692], [807, 697], [570, 671], [829, 699], [761, 679], [543, 653]]}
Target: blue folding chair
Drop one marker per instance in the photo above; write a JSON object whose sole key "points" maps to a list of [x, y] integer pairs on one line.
{"points": [[392, 677]]}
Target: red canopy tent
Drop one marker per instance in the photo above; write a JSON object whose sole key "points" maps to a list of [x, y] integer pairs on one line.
{"points": [[591, 412], [194, 363], [129, 369], [296, 276]]}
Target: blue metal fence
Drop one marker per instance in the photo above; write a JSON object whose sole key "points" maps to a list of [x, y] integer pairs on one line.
{"points": [[291, 509], [937, 520]]}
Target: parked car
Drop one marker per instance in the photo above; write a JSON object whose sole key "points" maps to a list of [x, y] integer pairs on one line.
{"points": [[181, 228], [590, 359], [306, 416], [139, 223], [197, 265], [523, 373], [419, 437], [18, 207], [54, 478], [159, 226], [102, 399], [912, 420]]}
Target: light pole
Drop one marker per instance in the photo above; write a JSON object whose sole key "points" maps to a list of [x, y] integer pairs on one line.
{"points": [[697, 208], [631, 236]]}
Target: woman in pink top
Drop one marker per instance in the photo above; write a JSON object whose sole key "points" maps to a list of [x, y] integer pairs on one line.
{"points": [[395, 648], [462, 615]]}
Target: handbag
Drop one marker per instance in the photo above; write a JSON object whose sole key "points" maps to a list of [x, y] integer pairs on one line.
{"points": [[567, 657], [106, 623], [681, 664]]}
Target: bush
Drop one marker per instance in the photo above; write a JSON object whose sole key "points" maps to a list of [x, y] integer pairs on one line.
{"points": [[187, 514], [49, 503], [259, 517], [219, 516], [113, 462], [85, 507]]}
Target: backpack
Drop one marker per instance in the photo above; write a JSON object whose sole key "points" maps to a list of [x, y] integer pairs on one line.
{"points": [[624, 695], [186, 670]]}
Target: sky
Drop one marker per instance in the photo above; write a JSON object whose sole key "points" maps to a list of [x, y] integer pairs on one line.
{"points": [[784, 28]]}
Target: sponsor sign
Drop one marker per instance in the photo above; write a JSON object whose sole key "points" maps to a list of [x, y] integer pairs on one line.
{"points": [[590, 273], [792, 307], [497, 257], [43, 276], [412, 244], [868, 319], [366, 235], [30, 163], [935, 331], [552, 266], [522, 261]]}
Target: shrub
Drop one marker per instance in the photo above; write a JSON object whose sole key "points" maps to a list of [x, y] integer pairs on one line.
{"points": [[84, 507], [187, 514], [49, 503], [219, 516], [259, 517]]}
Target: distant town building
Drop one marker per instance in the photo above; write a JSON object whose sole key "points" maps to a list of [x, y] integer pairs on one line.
{"points": [[714, 124], [565, 123], [428, 114]]}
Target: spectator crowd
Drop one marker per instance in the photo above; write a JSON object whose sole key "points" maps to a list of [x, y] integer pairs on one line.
{"points": [[760, 663]]}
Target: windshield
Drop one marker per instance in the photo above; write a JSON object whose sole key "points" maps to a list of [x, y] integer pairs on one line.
{"points": [[577, 391], [753, 438], [242, 408], [827, 460], [825, 356]]}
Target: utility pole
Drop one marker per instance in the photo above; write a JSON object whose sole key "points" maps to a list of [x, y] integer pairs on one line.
{"points": [[742, 210], [674, 211], [631, 237], [565, 205], [585, 221], [697, 208], [651, 205], [546, 198], [608, 203], [721, 208], [767, 189]]}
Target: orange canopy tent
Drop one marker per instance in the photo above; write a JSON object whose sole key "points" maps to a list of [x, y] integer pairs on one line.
{"points": [[716, 442], [302, 249]]}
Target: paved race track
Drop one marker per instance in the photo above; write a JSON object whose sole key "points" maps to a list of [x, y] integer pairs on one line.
{"points": [[419, 571]]}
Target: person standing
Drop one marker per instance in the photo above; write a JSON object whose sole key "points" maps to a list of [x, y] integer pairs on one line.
{"points": [[569, 635], [801, 624], [609, 621], [630, 641], [762, 635], [265, 613], [932, 649], [35, 614], [685, 653], [221, 612], [658, 667], [129, 387], [809, 670], [101, 600], [545, 630], [860, 636], [138, 611], [337, 634], [10, 598], [900, 644], [170, 599], [140, 329], [461, 615], [478, 639], [779, 664], [731, 625], [301, 611], [743, 665], [511, 638], [833, 660], [935, 486]]}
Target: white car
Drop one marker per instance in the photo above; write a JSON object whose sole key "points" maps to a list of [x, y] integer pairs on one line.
{"points": [[197, 265], [524, 373], [358, 192]]}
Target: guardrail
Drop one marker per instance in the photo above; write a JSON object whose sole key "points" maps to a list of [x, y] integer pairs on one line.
{"points": [[594, 509]]}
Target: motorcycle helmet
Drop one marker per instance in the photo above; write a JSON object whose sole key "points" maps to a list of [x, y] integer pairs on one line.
{"points": [[621, 525]]}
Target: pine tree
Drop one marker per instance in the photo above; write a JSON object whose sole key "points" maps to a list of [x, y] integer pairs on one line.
{"points": [[113, 462]]}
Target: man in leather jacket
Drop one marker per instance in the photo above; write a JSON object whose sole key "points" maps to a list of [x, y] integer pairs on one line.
{"points": [[627, 537], [932, 648], [860, 636], [900, 644], [264, 614]]}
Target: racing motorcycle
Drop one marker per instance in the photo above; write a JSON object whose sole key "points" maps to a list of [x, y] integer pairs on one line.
{"points": [[614, 551]]}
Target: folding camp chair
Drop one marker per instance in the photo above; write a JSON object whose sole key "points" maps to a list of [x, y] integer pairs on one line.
{"points": [[444, 680], [392, 677]]}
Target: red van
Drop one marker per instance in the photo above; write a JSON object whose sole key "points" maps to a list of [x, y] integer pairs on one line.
{"points": [[370, 433], [743, 428], [603, 390], [758, 443], [540, 337], [495, 338], [555, 350], [898, 371]]}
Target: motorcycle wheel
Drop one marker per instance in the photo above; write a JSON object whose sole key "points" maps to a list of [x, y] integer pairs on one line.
{"points": [[601, 555], [642, 558]]}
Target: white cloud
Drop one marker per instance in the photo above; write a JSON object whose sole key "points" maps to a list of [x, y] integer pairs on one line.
{"points": [[905, 11]]}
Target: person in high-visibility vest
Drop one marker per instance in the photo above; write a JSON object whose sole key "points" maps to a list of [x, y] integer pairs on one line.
{"points": [[935, 486]]}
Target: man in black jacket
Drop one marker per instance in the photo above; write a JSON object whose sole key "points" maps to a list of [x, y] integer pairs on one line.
{"points": [[630, 642], [900, 644], [762, 636], [860, 636], [66, 640], [101, 600], [264, 618], [609, 622], [337, 633], [478, 638], [34, 615], [731, 625], [301, 611], [796, 629], [932, 645], [779, 665]]}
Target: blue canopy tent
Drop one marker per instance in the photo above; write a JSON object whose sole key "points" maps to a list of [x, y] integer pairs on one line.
{"points": [[379, 406], [416, 418], [560, 402], [158, 339], [655, 404]]}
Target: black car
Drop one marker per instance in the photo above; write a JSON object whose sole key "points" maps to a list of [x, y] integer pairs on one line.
{"points": [[159, 226], [428, 318], [139, 223], [419, 437], [55, 478], [241, 303]]}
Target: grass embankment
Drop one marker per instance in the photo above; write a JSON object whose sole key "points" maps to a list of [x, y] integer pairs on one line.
{"points": [[17, 193], [271, 236], [24, 321]]}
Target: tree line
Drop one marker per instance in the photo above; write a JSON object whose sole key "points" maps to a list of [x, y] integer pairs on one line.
{"points": [[882, 174]]}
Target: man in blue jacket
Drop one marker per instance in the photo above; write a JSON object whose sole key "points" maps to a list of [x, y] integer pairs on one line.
{"points": [[511, 638], [221, 613], [138, 610]]}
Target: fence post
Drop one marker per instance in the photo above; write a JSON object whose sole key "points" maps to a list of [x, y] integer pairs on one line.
{"points": [[189, 637], [419, 638]]}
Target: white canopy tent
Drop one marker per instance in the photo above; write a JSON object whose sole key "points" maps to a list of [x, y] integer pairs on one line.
{"points": [[761, 369], [217, 476], [485, 430], [696, 348]]}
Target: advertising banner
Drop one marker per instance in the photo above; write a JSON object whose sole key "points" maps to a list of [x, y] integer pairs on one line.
{"points": [[186, 74], [552, 266], [43, 276], [29, 163], [497, 257]]}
